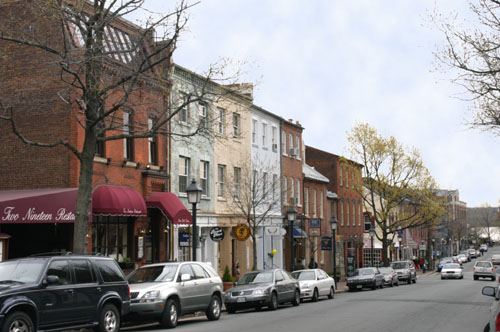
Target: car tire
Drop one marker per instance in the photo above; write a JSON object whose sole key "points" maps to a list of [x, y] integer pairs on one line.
{"points": [[442, 278], [18, 321], [475, 278], [414, 280], [109, 319], [351, 289], [331, 295], [231, 309], [214, 308], [170, 314], [315, 295], [273, 305], [374, 287], [296, 298]]}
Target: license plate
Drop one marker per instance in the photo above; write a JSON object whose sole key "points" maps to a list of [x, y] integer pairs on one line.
{"points": [[359, 286], [240, 299]]}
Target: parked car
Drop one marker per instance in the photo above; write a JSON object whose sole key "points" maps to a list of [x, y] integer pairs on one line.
{"points": [[473, 253], [258, 289], [69, 292], [314, 283], [467, 254], [390, 276], [462, 258], [452, 270], [405, 270], [165, 291], [495, 259], [484, 269], [494, 309], [456, 259], [483, 247], [369, 277], [444, 261]]}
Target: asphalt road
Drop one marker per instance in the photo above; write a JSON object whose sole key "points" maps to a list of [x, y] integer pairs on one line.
{"points": [[431, 304]]}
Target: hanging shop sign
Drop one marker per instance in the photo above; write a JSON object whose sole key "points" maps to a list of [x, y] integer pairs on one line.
{"points": [[326, 243], [241, 232], [216, 234], [183, 239]]}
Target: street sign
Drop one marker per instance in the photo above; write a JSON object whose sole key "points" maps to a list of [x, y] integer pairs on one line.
{"points": [[216, 234], [314, 222], [183, 239], [326, 243]]}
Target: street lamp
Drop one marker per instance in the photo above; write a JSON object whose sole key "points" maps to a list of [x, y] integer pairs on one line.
{"points": [[291, 214], [372, 233], [400, 239], [194, 197], [334, 223]]}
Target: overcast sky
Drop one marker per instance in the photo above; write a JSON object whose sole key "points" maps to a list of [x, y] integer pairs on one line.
{"points": [[332, 63]]}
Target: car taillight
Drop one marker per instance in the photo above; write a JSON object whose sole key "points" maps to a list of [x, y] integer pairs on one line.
{"points": [[492, 270], [474, 270], [497, 323]]}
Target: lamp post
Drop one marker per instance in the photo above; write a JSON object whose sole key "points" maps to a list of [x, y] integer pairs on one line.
{"points": [[291, 214], [334, 223], [400, 239], [372, 233], [194, 197]]}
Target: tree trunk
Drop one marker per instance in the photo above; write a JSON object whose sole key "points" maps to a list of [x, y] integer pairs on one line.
{"points": [[84, 198], [254, 249], [385, 246]]}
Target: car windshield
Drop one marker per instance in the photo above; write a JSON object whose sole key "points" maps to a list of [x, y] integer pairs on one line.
{"points": [[385, 270], [451, 266], [158, 273], [256, 278], [399, 265], [364, 272], [482, 264], [304, 275], [21, 271]]}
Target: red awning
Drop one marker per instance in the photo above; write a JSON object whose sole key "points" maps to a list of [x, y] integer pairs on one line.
{"points": [[171, 207], [117, 201], [38, 206]]}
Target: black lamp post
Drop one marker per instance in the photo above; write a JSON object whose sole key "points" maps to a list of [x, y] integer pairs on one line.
{"points": [[194, 197], [334, 223], [372, 233], [400, 239], [291, 214]]}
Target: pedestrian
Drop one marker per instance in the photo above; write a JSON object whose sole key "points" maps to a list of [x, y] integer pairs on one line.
{"points": [[312, 263], [425, 266]]}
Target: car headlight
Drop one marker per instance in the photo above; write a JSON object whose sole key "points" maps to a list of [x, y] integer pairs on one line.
{"points": [[259, 292], [151, 296], [305, 286]]}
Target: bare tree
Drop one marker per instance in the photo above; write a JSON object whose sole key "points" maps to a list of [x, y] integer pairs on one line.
{"points": [[104, 63], [483, 219], [256, 197]]}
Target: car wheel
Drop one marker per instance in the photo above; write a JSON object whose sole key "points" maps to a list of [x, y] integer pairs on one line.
{"points": [[274, 301], [315, 295], [109, 320], [414, 280], [442, 278], [296, 298], [351, 289], [331, 295], [231, 309], [170, 314], [492, 278], [18, 322], [213, 310]]}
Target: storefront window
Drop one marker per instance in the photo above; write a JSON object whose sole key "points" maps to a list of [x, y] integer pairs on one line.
{"points": [[111, 236]]}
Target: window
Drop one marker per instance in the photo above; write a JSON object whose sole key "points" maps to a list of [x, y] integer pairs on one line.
{"points": [[237, 179], [274, 137], [236, 125], [199, 272], [153, 143], [254, 131], [204, 173], [184, 111], [61, 269], [347, 177], [275, 182], [348, 210], [290, 142], [220, 120], [264, 134], [315, 207], [83, 271], [292, 191], [298, 192], [128, 143], [264, 187], [321, 200], [203, 115], [186, 269], [110, 271], [342, 212], [285, 191], [306, 201], [221, 172], [254, 182], [283, 143], [297, 146], [184, 167], [341, 170], [111, 236], [359, 213]]}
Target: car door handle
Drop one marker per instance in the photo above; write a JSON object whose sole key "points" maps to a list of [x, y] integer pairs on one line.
{"points": [[69, 291], [99, 289]]}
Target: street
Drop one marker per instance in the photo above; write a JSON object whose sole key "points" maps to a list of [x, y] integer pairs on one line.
{"points": [[431, 304]]}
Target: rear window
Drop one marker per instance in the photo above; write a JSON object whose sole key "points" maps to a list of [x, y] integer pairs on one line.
{"points": [[483, 264], [110, 271], [399, 265]]}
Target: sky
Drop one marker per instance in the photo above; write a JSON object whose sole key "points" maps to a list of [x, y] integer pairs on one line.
{"points": [[331, 64]]}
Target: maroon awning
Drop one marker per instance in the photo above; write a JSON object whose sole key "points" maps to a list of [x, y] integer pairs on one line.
{"points": [[117, 201], [170, 205], [38, 206]]}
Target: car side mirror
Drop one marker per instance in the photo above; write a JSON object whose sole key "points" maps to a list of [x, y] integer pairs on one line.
{"points": [[52, 280], [185, 277], [489, 291]]}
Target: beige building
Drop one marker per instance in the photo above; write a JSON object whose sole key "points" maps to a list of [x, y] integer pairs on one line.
{"points": [[232, 163]]}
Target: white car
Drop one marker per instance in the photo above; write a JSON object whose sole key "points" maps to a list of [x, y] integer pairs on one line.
{"points": [[452, 270], [495, 259], [483, 247], [462, 258], [314, 283]]}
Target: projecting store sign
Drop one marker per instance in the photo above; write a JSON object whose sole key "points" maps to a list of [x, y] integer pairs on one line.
{"points": [[216, 234]]}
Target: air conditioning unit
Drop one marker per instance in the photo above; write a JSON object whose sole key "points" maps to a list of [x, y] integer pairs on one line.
{"points": [[292, 152], [275, 146]]}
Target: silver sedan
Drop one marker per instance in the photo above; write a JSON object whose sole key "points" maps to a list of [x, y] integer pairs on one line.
{"points": [[314, 283], [452, 270]]}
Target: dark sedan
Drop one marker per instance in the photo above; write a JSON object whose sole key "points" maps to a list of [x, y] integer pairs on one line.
{"points": [[369, 277], [258, 289]]}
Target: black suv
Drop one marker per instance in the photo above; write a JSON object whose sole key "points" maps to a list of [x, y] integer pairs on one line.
{"points": [[54, 293]]}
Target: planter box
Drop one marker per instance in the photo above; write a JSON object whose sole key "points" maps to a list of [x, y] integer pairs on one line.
{"points": [[127, 265], [227, 284]]}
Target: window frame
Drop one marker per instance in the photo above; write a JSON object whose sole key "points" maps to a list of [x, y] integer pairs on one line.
{"points": [[187, 169]]}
